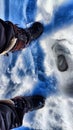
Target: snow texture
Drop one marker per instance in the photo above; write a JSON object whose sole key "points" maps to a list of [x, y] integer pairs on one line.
{"points": [[34, 69]]}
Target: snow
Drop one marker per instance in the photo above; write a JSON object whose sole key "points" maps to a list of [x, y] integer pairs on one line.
{"points": [[34, 69]]}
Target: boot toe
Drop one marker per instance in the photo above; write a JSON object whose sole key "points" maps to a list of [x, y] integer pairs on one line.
{"points": [[35, 30], [37, 102]]}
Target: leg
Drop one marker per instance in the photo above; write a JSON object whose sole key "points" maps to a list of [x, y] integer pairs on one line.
{"points": [[2, 37]]}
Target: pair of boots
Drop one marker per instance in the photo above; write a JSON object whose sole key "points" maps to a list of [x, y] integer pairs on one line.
{"points": [[14, 38]]}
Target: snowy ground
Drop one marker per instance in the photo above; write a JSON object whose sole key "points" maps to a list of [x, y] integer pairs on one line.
{"points": [[38, 62]]}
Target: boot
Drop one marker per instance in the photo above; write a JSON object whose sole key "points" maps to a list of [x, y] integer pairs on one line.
{"points": [[16, 38], [35, 102], [29, 102], [25, 36], [13, 110], [35, 30], [31, 33]]}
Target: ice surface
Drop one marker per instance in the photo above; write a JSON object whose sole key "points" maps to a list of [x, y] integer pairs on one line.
{"points": [[34, 69]]}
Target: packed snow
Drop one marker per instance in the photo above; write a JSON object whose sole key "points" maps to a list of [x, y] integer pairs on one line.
{"points": [[34, 69]]}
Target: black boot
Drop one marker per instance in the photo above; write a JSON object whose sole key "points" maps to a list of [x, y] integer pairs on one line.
{"points": [[35, 30], [29, 34], [35, 102], [14, 38], [29, 103], [25, 36]]}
